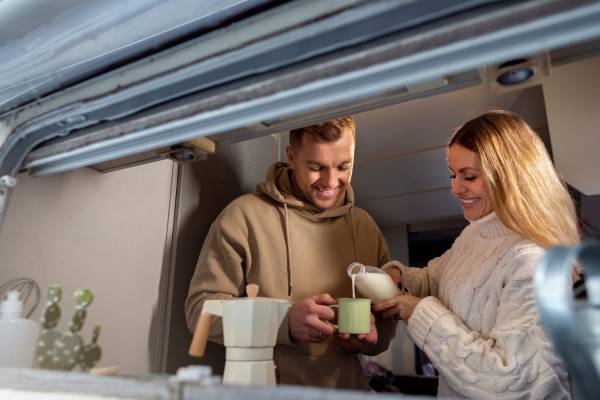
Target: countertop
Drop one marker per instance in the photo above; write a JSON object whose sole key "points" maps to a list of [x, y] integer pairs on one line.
{"points": [[33, 384]]}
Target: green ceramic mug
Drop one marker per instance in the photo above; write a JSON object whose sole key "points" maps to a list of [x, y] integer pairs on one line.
{"points": [[354, 316]]}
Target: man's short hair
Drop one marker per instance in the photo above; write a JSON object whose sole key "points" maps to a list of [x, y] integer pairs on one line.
{"points": [[328, 131]]}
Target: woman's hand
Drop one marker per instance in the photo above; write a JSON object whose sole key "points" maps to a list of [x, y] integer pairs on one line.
{"points": [[399, 307], [391, 268]]}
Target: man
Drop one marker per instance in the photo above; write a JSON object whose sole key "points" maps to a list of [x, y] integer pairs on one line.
{"points": [[295, 238]]}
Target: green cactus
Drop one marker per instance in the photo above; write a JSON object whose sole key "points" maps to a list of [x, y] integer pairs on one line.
{"points": [[91, 353], [64, 352], [49, 336]]}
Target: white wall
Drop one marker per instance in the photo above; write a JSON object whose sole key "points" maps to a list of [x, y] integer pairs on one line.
{"points": [[572, 104], [397, 240], [105, 232]]}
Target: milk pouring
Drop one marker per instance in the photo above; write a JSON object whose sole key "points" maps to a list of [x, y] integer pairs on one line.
{"points": [[372, 283]]}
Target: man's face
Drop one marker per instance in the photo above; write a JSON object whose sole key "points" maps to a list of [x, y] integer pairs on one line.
{"points": [[323, 170]]}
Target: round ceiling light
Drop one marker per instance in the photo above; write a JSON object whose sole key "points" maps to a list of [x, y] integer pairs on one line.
{"points": [[182, 154], [514, 76]]}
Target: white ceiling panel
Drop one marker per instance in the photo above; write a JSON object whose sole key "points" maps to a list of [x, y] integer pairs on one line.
{"points": [[429, 122], [435, 205], [406, 174]]}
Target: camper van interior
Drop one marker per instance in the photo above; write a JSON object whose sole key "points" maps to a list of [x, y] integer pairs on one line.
{"points": [[126, 128]]}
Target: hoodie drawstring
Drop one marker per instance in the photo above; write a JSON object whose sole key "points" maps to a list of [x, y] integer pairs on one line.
{"points": [[288, 245], [288, 248], [354, 240]]}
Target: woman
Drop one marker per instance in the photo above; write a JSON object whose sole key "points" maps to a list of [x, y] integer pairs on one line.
{"points": [[472, 310]]}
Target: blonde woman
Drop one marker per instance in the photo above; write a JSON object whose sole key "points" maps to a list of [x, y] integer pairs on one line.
{"points": [[472, 310]]}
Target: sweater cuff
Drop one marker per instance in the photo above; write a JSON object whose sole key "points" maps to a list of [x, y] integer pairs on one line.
{"points": [[409, 279], [425, 315]]}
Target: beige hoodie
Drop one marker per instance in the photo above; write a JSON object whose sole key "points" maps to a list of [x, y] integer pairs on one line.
{"points": [[292, 250]]}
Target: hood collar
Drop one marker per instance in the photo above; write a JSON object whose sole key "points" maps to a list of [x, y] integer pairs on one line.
{"points": [[280, 186]]}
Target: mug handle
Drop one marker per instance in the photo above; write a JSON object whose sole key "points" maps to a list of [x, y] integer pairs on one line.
{"points": [[329, 323]]}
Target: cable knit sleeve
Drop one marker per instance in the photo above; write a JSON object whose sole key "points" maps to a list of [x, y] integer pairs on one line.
{"points": [[515, 360], [424, 281]]}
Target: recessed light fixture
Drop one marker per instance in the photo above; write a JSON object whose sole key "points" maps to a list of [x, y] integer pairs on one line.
{"points": [[515, 72]]}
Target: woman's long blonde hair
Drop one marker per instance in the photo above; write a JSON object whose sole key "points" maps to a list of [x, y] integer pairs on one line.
{"points": [[527, 194]]}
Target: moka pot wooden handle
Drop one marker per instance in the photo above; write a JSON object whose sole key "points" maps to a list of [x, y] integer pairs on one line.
{"points": [[198, 345]]}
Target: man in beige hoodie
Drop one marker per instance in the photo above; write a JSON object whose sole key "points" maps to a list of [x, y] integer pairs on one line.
{"points": [[295, 238]]}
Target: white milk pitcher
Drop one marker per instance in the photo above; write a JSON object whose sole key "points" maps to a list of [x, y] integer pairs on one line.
{"points": [[372, 282]]}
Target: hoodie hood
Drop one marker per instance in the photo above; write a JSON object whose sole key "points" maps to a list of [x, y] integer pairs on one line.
{"points": [[279, 185]]}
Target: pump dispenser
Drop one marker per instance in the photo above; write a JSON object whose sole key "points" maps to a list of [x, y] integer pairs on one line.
{"points": [[18, 335]]}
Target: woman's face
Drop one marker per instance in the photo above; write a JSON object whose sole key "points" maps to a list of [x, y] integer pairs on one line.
{"points": [[467, 182]]}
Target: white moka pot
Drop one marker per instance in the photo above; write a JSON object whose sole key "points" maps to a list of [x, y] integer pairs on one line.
{"points": [[250, 327]]}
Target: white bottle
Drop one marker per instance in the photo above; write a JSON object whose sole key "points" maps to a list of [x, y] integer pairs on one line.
{"points": [[18, 335], [372, 282], [377, 286]]}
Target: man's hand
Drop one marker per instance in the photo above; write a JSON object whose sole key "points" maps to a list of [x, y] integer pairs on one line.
{"points": [[306, 317], [364, 343], [399, 307]]}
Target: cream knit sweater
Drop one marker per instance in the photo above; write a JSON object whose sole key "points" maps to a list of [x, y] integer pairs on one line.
{"points": [[478, 321]]}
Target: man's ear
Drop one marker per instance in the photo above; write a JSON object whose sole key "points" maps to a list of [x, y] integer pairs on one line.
{"points": [[290, 156]]}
